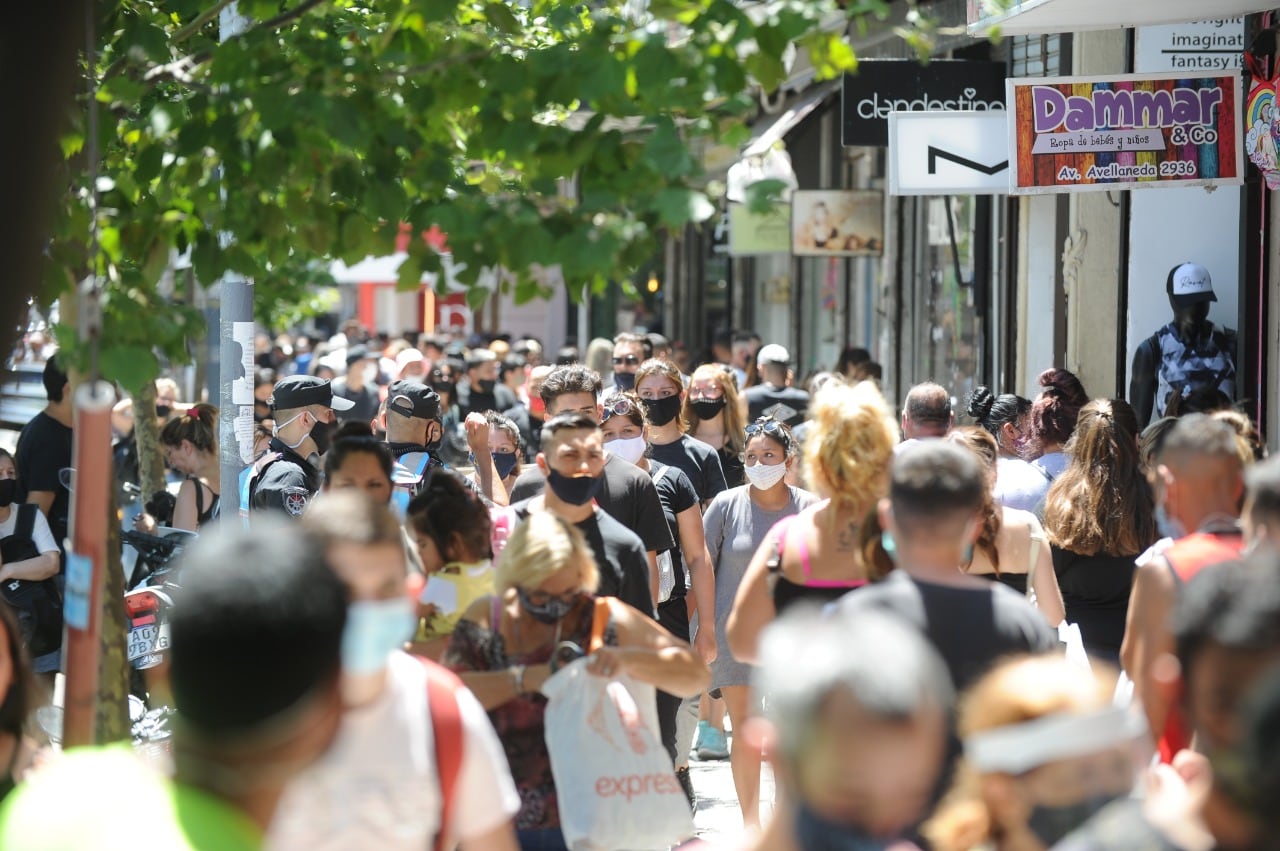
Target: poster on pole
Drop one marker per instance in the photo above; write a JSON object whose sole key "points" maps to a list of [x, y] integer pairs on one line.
{"points": [[837, 223], [1080, 134]]}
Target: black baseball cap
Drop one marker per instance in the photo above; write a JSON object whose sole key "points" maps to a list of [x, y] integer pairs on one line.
{"points": [[413, 399], [299, 391], [355, 354]]}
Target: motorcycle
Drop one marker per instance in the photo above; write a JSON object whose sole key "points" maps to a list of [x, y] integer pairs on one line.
{"points": [[149, 599]]}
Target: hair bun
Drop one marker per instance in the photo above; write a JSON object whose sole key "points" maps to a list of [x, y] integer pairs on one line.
{"points": [[1064, 385], [980, 402]]}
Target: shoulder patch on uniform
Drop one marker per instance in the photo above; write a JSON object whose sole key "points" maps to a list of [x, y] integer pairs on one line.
{"points": [[295, 500]]}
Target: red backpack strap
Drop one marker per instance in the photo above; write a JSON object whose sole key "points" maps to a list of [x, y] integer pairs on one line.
{"points": [[446, 730]]}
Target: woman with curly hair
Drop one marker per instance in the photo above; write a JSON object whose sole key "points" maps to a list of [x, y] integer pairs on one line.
{"points": [[1100, 515], [1050, 423], [1012, 548], [818, 554]]}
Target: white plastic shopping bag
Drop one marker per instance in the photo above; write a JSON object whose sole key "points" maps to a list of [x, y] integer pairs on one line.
{"points": [[1069, 635], [615, 783]]}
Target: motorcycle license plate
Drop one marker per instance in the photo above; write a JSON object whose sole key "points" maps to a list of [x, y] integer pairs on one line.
{"points": [[147, 640]]}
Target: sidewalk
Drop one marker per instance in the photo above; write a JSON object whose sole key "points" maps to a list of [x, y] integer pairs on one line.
{"points": [[718, 816]]}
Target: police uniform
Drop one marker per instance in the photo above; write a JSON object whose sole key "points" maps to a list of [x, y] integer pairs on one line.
{"points": [[415, 462], [282, 480]]}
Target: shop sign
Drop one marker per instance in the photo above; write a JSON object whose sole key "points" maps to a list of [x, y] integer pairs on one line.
{"points": [[882, 86], [948, 153], [837, 223], [1079, 134], [752, 233], [1202, 46]]}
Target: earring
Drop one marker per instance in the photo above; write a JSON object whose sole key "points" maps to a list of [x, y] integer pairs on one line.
{"points": [[889, 545]]}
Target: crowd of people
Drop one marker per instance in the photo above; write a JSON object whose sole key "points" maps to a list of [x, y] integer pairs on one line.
{"points": [[1044, 629]]}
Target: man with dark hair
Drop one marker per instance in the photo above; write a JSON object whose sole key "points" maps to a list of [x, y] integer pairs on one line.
{"points": [[629, 351], [774, 396], [288, 475], [511, 376], [253, 670], [1260, 520], [926, 412], [932, 518], [1225, 642], [479, 393], [626, 492], [359, 386], [531, 411], [1199, 482], [44, 451], [573, 461]]}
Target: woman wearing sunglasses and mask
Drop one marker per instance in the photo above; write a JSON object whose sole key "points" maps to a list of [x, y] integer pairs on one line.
{"points": [[502, 648], [715, 411], [661, 390], [737, 521], [626, 435]]}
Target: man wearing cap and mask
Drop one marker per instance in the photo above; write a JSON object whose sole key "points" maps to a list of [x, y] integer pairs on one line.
{"points": [[414, 432], [1188, 353], [288, 475], [359, 386]]}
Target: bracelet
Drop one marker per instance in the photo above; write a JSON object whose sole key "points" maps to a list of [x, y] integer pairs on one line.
{"points": [[517, 678]]}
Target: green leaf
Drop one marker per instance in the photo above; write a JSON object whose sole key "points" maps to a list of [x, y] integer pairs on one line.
{"points": [[131, 365], [501, 17], [409, 276], [679, 206], [476, 297]]}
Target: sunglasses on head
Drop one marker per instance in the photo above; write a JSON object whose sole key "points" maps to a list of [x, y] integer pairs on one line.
{"points": [[772, 428], [621, 407], [629, 360]]}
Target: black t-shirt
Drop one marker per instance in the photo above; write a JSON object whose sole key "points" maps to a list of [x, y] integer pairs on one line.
{"points": [[785, 404], [44, 450], [970, 627], [366, 399], [699, 462], [677, 495], [626, 493], [735, 472], [1096, 590], [620, 558]]}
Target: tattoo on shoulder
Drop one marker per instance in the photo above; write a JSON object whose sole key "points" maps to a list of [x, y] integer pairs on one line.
{"points": [[847, 540]]}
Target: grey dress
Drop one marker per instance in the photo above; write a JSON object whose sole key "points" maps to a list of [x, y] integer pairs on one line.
{"points": [[735, 526]]}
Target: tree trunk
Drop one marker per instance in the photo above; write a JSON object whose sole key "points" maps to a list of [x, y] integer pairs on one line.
{"points": [[112, 722], [147, 433]]}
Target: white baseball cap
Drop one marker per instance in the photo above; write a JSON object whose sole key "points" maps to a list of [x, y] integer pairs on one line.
{"points": [[773, 353], [1189, 283]]}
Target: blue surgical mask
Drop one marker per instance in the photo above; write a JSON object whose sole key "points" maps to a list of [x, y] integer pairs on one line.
{"points": [[374, 629], [1168, 526], [814, 833]]}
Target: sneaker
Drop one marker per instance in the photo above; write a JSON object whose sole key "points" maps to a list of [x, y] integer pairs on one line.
{"points": [[686, 783], [710, 743]]}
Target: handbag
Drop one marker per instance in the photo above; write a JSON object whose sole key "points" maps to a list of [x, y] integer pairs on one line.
{"points": [[38, 604]]}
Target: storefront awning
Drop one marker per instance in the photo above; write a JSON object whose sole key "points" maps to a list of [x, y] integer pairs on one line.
{"points": [[1031, 17]]}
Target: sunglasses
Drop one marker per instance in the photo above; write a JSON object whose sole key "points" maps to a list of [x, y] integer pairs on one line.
{"points": [[772, 428], [629, 360], [620, 407]]}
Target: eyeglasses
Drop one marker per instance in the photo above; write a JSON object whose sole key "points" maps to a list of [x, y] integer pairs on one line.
{"points": [[629, 360], [620, 407], [772, 428]]}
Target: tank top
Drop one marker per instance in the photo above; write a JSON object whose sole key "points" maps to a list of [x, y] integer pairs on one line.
{"points": [[1186, 557], [786, 592], [204, 515]]}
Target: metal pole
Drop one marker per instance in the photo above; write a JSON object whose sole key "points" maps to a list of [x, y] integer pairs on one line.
{"points": [[87, 559], [235, 336]]}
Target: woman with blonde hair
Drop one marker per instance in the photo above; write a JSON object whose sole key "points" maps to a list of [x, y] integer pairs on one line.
{"points": [[503, 647], [1012, 548], [1045, 750], [716, 414], [816, 554], [1100, 515]]}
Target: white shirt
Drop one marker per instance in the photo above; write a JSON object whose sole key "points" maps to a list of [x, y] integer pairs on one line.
{"points": [[377, 787], [40, 533]]}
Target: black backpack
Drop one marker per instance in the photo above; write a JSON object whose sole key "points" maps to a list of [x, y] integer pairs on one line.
{"points": [[37, 604]]}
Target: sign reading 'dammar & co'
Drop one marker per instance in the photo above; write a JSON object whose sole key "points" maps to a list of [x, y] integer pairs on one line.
{"points": [[1076, 134], [882, 86]]}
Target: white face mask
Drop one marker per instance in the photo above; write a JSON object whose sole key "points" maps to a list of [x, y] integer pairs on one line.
{"points": [[629, 449], [763, 477], [275, 432]]}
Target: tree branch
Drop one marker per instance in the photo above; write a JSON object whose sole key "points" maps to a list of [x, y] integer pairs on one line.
{"points": [[290, 15], [201, 19]]}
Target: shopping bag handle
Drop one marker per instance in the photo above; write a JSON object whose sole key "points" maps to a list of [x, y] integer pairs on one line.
{"points": [[599, 623]]}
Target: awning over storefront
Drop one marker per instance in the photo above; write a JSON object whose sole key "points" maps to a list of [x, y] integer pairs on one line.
{"points": [[1029, 17], [763, 157]]}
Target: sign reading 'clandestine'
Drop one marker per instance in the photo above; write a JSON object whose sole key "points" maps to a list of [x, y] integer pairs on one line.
{"points": [[1129, 132], [882, 86]]}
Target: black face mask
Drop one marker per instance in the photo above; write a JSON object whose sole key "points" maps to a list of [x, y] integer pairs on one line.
{"points": [[445, 388], [485, 386], [322, 434], [8, 490], [163, 411], [662, 411], [707, 409], [575, 490], [624, 380], [505, 462], [550, 612], [1052, 824]]}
